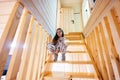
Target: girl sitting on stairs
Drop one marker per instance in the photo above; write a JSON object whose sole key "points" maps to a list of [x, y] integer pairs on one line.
{"points": [[58, 44]]}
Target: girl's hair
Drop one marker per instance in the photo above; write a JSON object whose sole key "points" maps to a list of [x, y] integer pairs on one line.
{"points": [[56, 37]]}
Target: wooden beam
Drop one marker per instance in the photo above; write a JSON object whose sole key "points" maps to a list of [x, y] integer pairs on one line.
{"points": [[107, 55], [37, 55], [111, 47], [94, 64], [19, 40], [41, 55], [43, 65], [32, 53], [100, 54], [8, 35], [116, 20], [26, 52]]}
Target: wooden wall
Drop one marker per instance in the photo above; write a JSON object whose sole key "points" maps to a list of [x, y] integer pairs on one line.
{"points": [[102, 35], [30, 40], [45, 11]]}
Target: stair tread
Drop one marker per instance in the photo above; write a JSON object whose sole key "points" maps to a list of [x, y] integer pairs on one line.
{"points": [[70, 74], [71, 62]]}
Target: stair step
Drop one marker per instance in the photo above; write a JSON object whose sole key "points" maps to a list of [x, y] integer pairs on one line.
{"points": [[66, 67], [73, 57], [76, 48], [71, 62], [76, 52], [75, 43], [52, 78], [68, 75], [56, 76]]}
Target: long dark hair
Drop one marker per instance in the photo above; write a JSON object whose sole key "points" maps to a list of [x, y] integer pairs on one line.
{"points": [[56, 37]]}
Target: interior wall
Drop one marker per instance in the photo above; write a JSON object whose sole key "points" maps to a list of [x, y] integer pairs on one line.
{"points": [[85, 12], [58, 13], [45, 11], [78, 19]]}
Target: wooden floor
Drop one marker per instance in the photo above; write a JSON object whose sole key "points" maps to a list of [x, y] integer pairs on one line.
{"points": [[78, 64]]}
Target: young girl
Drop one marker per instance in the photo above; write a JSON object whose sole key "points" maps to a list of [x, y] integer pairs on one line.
{"points": [[58, 44]]}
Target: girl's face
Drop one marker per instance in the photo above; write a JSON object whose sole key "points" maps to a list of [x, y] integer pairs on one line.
{"points": [[59, 33]]}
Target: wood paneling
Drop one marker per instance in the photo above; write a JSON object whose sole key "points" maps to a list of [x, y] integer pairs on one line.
{"points": [[43, 12]]}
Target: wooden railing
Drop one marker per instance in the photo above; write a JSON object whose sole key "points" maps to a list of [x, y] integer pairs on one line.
{"points": [[102, 35], [29, 51]]}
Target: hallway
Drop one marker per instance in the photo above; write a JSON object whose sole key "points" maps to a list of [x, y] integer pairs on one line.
{"points": [[92, 30]]}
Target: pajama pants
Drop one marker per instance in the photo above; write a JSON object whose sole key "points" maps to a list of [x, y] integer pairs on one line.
{"points": [[60, 48]]}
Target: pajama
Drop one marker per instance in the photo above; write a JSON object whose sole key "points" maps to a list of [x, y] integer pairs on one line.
{"points": [[61, 46]]}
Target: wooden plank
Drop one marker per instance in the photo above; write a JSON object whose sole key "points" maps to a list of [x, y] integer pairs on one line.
{"points": [[95, 51], [26, 52], [71, 74], [19, 40], [114, 24], [94, 64], [107, 55], [8, 35], [73, 38], [100, 54], [111, 38], [73, 52], [75, 43], [44, 50], [116, 20], [37, 55], [112, 50], [82, 75], [40, 59], [45, 67], [32, 55], [72, 62], [116, 6], [42, 56], [92, 54]]}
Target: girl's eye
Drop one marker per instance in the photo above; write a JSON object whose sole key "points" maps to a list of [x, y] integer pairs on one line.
{"points": [[59, 31]]}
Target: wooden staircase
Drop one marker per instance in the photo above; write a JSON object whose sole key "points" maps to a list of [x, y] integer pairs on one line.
{"points": [[78, 65]]}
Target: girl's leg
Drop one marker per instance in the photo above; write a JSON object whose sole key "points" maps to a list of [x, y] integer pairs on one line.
{"points": [[56, 55], [63, 56]]}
